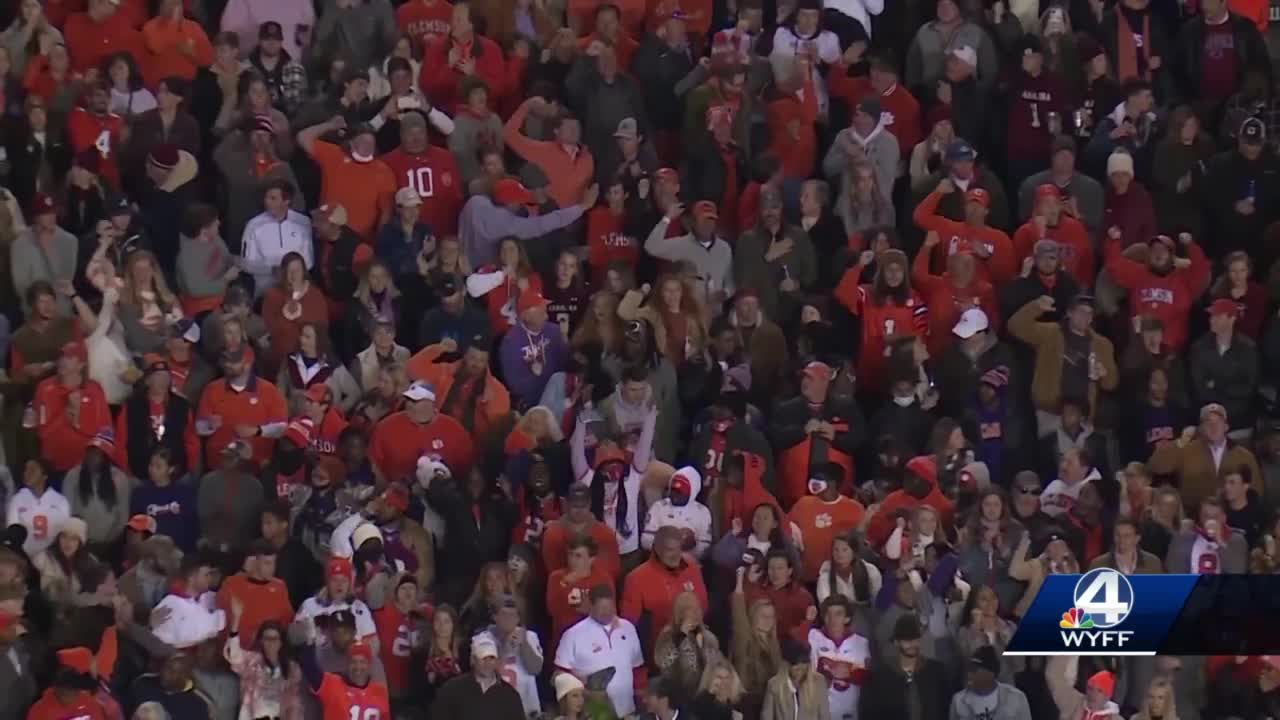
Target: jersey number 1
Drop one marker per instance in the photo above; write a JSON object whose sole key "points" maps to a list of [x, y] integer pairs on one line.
{"points": [[359, 713]]}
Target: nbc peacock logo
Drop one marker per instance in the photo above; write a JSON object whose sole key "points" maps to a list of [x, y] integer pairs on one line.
{"points": [[1076, 619]]}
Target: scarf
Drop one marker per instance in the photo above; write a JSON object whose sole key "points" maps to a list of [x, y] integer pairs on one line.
{"points": [[460, 401], [1205, 558], [1129, 63]]}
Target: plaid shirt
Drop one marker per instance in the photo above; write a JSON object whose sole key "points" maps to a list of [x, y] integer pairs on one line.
{"points": [[287, 81]]}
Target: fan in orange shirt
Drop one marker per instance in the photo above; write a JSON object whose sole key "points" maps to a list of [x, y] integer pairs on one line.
{"points": [[569, 587], [352, 177], [1066, 234], [989, 245], [354, 694], [72, 693], [822, 516], [259, 594]]}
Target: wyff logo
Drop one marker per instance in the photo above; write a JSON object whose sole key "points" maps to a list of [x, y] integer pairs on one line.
{"points": [[1103, 598]]}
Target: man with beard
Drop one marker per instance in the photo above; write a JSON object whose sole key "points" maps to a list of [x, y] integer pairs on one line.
{"points": [[905, 679], [1166, 286], [454, 319], [533, 350], [240, 405], [471, 394], [984, 697], [1042, 274], [352, 176], [403, 539], [723, 431]]}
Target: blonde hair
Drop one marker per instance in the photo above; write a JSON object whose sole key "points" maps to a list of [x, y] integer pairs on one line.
{"points": [[542, 412], [709, 677], [1170, 710], [131, 294]]}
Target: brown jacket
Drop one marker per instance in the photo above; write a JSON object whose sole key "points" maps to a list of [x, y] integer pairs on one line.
{"points": [[1047, 339], [1148, 564], [418, 541], [780, 702], [1193, 466], [766, 347]]}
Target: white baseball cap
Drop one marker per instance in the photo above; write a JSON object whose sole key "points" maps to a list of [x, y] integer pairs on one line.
{"points": [[972, 322], [420, 391], [565, 684], [482, 646]]}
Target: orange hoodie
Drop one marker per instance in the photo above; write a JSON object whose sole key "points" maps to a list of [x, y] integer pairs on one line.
{"points": [[82, 706], [174, 49], [569, 171], [998, 267], [1074, 249], [494, 401]]}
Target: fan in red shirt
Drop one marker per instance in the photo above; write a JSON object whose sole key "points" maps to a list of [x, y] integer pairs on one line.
{"points": [[402, 437], [354, 694], [255, 595], [72, 695], [899, 109], [95, 127], [791, 120], [951, 293], [431, 172], [99, 33], [397, 623], [1049, 222], [325, 418], [888, 308], [424, 20], [569, 587], [447, 60], [1166, 286], [990, 246], [70, 410], [607, 239]]}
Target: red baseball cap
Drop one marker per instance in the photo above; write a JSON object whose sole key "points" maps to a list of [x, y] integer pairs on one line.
{"points": [[362, 650], [299, 432], [818, 370], [1048, 190], [1224, 306], [76, 349], [339, 566], [925, 467], [530, 299], [319, 393], [509, 191], [978, 195], [396, 496], [142, 523], [42, 204], [78, 659]]}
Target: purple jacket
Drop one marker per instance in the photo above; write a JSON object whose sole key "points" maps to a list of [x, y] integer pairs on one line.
{"points": [[528, 361]]}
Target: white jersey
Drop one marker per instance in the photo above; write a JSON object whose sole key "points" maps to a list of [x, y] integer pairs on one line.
{"points": [[844, 665], [315, 606], [513, 671], [1060, 496], [43, 517], [589, 647]]}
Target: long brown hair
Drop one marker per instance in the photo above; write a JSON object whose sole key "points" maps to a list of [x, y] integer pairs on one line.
{"points": [[590, 330], [455, 642]]}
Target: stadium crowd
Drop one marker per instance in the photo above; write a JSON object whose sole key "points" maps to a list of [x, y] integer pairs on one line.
{"points": [[697, 359]]}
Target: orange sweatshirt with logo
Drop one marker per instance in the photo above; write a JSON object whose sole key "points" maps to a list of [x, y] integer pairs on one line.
{"points": [[652, 588], [820, 522], [63, 442], [174, 48], [1000, 265]]}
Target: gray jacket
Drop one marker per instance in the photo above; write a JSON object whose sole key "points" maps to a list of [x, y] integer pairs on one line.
{"points": [[483, 225], [470, 133], [361, 34], [30, 261], [882, 152], [928, 53], [1011, 704], [1088, 194]]}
